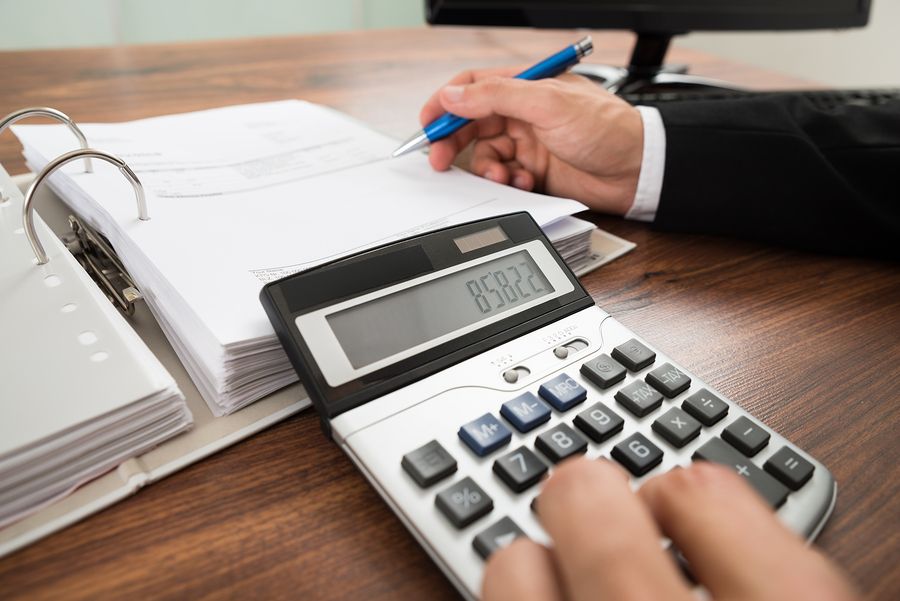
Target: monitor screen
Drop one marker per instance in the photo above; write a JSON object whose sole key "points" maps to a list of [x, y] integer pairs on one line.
{"points": [[663, 16]]}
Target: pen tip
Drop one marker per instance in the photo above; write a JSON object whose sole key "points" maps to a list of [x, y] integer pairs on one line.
{"points": [[419, 140]]}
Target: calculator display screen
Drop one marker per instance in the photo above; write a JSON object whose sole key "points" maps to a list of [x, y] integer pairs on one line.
{"points": [[393, 323]]}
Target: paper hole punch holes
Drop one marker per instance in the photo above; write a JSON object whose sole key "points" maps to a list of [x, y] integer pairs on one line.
{"points": [[68, 307], [87, 338], [52, 281], [99, 356]]}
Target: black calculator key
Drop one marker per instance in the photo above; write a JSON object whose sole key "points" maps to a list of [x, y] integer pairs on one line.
{"points": [[520, 469], [637, 454], [599, 422], [428, 464], [705, 406], [562, 392], [633, 355], [604, 371], [789, 467], [747, 437], [717, 451], [639, 398], [526, 412], [669, 380], [560, 442], [677, 427], [464, 502], [496, 537], [485, 434]]}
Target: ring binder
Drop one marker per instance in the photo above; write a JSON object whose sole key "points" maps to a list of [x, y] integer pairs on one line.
{"points": [[46, 111], [98, 258], [28, 208]]}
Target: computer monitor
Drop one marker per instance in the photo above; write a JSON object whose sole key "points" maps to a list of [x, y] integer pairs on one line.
{"points": [[653, 16], [655, 22]]}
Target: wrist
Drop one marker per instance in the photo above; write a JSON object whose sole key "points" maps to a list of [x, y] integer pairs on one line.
{"points": [[653, 161]]}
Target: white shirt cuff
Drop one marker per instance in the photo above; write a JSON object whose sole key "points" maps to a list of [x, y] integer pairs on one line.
{"points": [[653, 166]]}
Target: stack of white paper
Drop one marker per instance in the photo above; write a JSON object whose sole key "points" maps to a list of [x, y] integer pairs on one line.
{"points": [[79, 391], [243, 195]]}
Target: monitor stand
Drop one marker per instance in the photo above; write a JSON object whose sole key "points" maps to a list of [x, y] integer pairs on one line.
{"points": [[647, 73]]}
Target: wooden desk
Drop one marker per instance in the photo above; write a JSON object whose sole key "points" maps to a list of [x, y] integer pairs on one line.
{"points": [[810, 344]]}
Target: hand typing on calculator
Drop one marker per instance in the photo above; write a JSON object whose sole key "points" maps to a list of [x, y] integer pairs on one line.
{"points": [[606, 545], [464, 370]]}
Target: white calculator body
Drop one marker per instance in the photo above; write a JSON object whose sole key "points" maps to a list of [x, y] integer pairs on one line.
{"points": [[456, 368]]}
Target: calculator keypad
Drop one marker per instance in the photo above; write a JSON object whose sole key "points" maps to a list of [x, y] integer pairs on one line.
{"points": [[464, 502], [706, 407], [790, 468], [716, 450], [599, 422], [485, 434], [637, 454], [562, 392], [525, 412], [643, 417], [634, 355], [560, 442], [520, 469], [639, 398], [428, 464], [677, 427], [669, 380], [496, 537], [603, 371], [747, 437]]}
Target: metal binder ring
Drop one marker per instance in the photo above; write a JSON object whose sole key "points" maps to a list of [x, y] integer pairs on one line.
{"points": [[28, 208], [45, 111]]}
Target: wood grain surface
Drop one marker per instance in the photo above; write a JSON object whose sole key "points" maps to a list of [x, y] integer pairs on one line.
{"points": [[808, 343]]}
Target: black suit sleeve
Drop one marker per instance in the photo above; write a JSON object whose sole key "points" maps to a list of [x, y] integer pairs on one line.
{"points": [[781, 170]]}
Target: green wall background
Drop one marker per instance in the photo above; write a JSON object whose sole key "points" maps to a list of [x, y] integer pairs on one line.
{"points": [[32, 24]]}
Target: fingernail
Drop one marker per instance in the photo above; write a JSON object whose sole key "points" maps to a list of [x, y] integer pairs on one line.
{"points": [[453, 93], [519, 182], [490, 176]]}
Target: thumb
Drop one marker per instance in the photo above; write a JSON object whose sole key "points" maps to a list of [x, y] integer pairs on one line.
{"points": [[535, 102]]}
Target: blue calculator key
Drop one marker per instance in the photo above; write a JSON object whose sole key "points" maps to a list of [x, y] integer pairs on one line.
{"points": [[562, 392], [485, 434], [525, 412]]}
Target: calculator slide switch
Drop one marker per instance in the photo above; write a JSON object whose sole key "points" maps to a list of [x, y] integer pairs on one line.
{"points": [[572, 346], [511, 376]]}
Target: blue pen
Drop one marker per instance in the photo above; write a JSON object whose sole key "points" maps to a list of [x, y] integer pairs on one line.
{"points": [[448, 123]]}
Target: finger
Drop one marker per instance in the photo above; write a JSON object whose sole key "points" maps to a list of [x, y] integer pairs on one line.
{"points": [[489, 157], [732, 540], [541, 103], [521, 572], [444, 152], [605, 542], [521, 178], [432, 108]]}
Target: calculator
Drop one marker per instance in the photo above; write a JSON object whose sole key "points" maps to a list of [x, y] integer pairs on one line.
{"points": [[457, 367]]}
